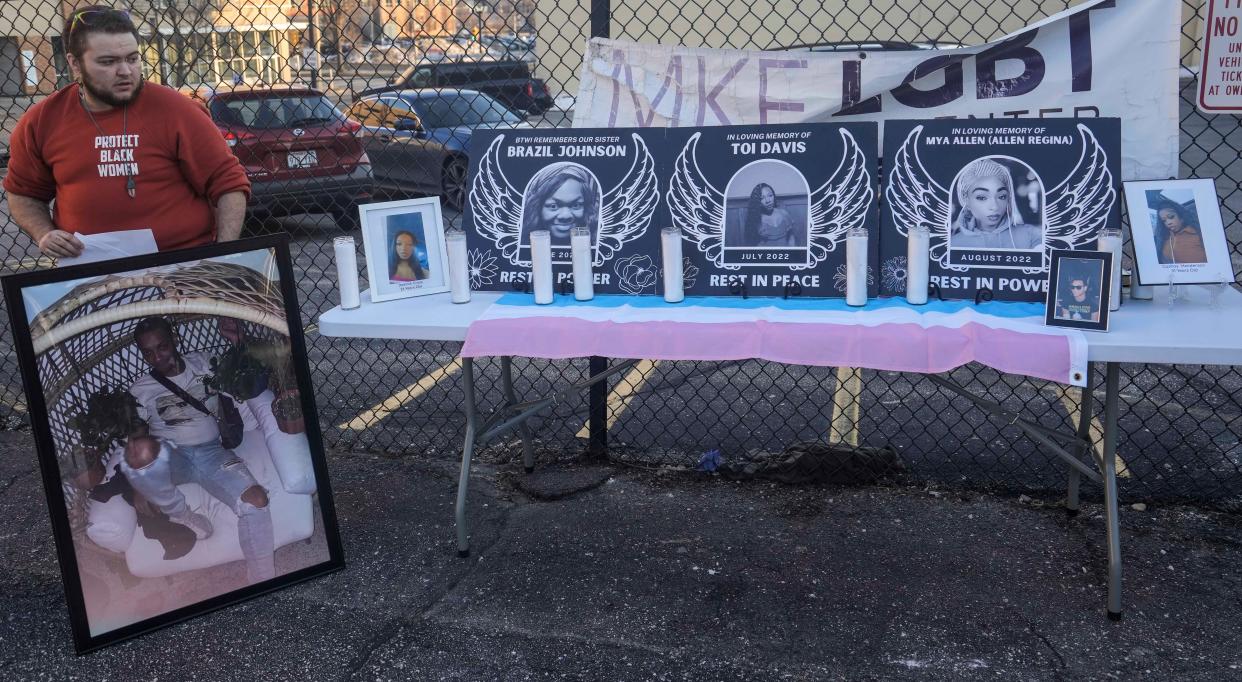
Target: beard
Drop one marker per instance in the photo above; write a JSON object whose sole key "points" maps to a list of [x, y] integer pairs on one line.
{"points": [[107, 97]]}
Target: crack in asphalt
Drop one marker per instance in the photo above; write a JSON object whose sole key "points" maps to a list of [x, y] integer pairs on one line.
{"points": [[476, 552], [13, 479], [393, 628], [429, 614], [585, 640], [1047, 643], [384, 636]]}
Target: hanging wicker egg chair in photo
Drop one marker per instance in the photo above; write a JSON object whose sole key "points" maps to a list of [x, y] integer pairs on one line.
{"points": [[84, 343]]}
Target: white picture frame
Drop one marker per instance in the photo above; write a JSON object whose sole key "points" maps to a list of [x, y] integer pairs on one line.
{"points": [[387, 228], [1164, 211]]}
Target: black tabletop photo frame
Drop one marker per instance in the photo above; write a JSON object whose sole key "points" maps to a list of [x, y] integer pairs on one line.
{"points": [[1079, 289], [231, 307]]}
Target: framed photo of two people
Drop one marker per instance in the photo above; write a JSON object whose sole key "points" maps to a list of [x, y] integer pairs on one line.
{"points": [[176, 432]]}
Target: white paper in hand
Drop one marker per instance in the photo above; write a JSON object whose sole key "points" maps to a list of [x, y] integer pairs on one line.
{"points": [[110, 245]]}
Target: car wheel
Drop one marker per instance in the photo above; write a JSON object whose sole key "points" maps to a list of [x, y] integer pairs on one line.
{"points": [[453, 182]]}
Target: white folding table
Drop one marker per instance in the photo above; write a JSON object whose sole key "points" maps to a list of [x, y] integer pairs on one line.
{"points": [[1148, 332]]}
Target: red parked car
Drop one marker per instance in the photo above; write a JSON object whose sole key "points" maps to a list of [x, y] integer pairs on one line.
{"points": [[301, 153]]}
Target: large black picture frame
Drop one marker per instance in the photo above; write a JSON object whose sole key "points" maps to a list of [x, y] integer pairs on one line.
{"points": [[761, 208], [204, 285], [997, 197]]}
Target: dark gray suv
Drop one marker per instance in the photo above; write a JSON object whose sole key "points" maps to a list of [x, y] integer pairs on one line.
{"points": [[508, 81]]}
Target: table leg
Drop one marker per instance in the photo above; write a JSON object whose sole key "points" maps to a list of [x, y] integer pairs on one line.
{"points": [[467, 451], [597, 442], [528, 448], [1085, 404], [1109, 471]]}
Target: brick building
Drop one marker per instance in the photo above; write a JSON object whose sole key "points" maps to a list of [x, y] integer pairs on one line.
{"points": [[185, 41], [416, 18]]}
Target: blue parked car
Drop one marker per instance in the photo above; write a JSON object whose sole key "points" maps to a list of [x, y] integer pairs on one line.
{"points": [[419, 140]]}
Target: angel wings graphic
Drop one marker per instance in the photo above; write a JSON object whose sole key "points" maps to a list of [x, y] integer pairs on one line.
{"points": [[836, 206], [1074, 212], [625, 212]]}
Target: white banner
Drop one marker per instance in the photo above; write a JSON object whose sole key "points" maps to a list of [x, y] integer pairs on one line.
{"points": [[1104, 58]]}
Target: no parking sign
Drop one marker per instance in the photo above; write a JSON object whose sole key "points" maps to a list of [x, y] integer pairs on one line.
{"points": [[1220, 72]]}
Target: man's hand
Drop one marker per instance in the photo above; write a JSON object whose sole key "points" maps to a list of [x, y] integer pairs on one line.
{"points": [[61, 244], [143, 506], [35, 218]]}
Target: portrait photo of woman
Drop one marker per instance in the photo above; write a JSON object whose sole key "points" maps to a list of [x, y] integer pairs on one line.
{"points": [[766, 223], [986, 210], [1177, 233], [407, 251], [766, 206], [403, 266], [558, 198], [403, 242]]}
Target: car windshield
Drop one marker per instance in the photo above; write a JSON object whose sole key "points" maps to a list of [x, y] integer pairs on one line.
{"points": [[465, 109], [274, 111]]}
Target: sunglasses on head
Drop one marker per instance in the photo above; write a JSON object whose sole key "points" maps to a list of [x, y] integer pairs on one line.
{"points": [[88, 17]]}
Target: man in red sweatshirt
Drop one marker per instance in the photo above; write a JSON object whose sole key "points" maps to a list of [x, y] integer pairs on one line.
{"points": [[118, 154]]}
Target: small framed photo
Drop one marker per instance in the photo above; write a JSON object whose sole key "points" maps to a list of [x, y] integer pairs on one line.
{"points": [[1079, 285], [404, 246], [171, 407], [1178, 234]]}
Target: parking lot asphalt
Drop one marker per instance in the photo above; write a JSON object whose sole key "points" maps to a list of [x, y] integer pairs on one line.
{"points": [[591, 572]]}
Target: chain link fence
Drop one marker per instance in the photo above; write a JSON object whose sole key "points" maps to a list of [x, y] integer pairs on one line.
{"points": [[325, 69]]}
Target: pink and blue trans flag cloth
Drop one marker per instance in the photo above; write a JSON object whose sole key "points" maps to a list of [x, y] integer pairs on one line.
{"points": [[886, 334]]}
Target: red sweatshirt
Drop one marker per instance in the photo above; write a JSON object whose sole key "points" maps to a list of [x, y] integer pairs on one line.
{"points": [[178, 159]]}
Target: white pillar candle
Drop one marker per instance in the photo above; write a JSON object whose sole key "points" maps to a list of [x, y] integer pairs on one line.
{"points": [[674, 285], [918, 247], [458, 266], [347, 272], [856, 267], [541, 265], [1110, 240], [584, 278]]}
